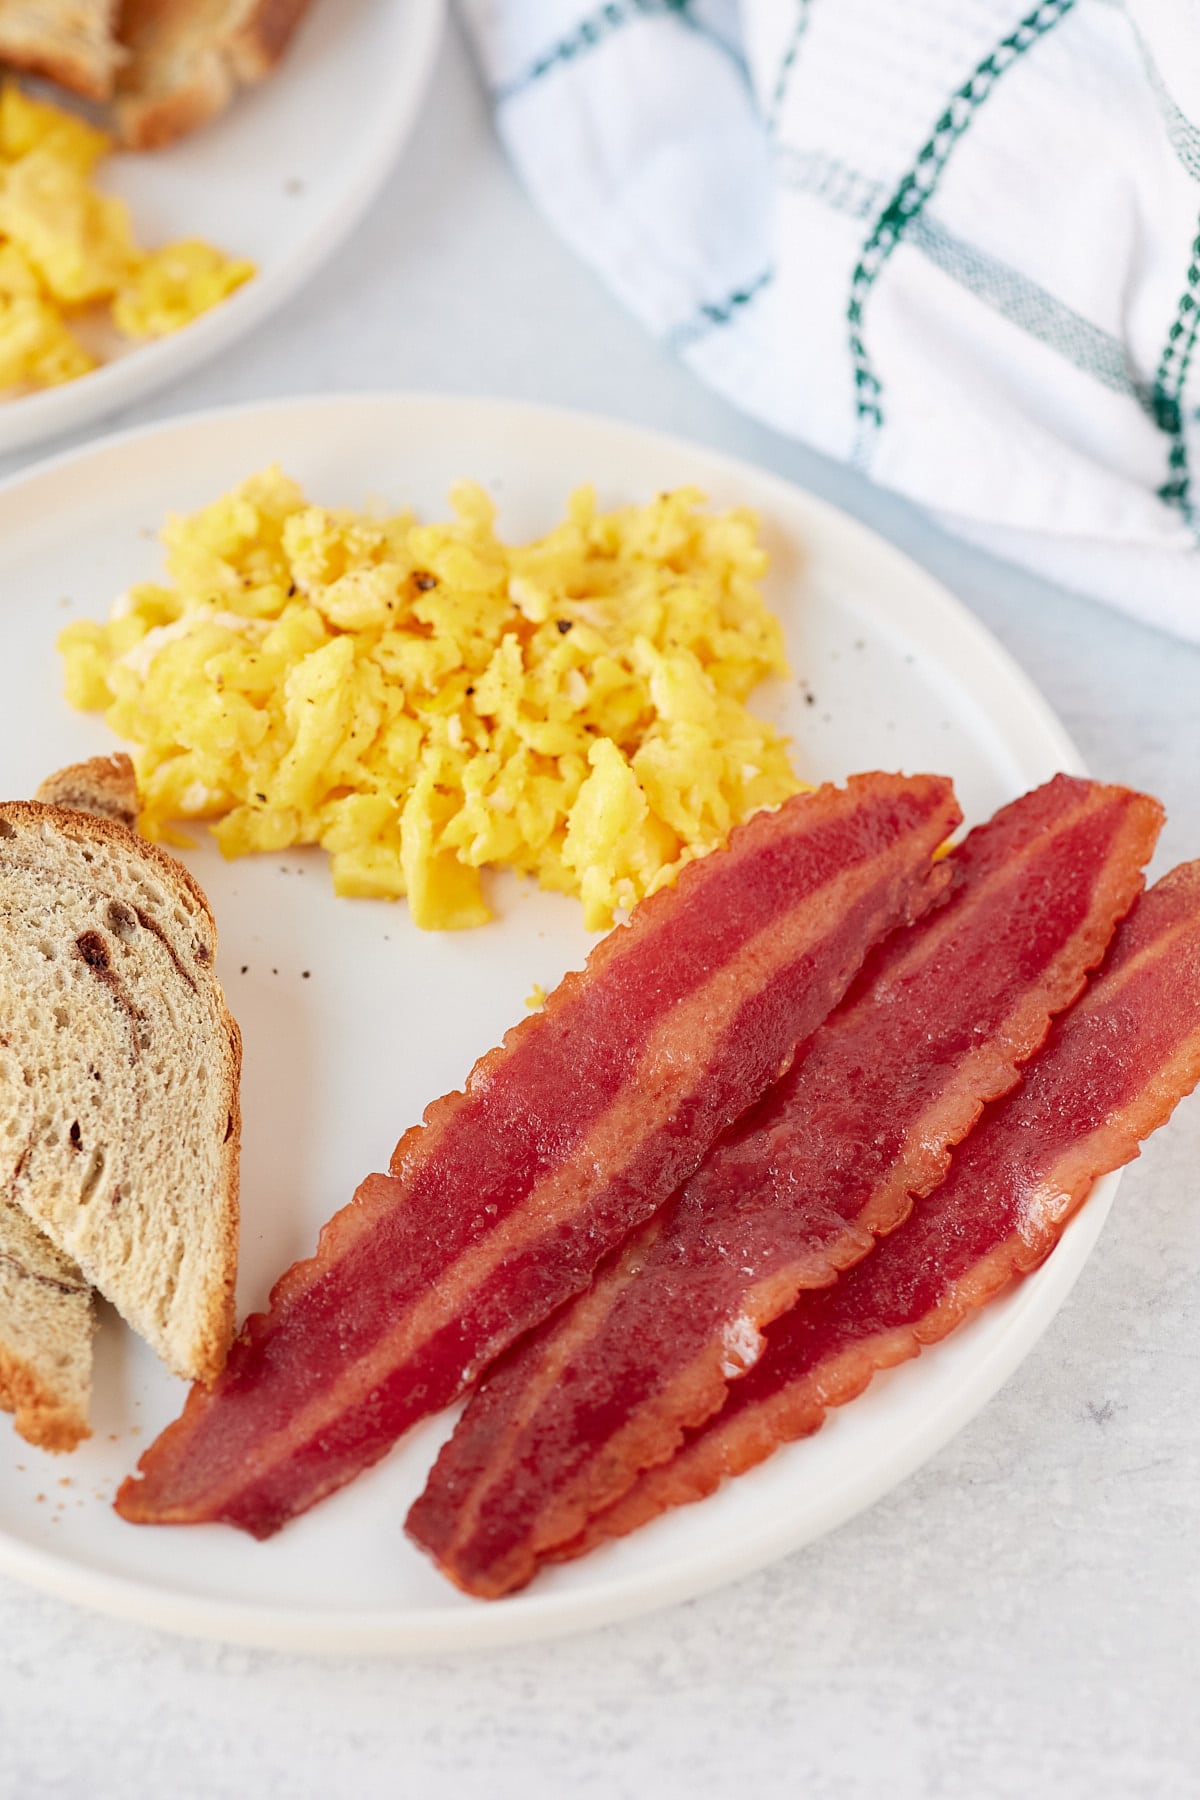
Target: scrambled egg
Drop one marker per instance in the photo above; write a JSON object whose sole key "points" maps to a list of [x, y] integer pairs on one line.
{"points": [[425, 700], [66, 248]]}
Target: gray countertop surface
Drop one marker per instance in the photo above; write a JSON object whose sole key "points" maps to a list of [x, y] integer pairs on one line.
{"points": [[1019, 1617]]}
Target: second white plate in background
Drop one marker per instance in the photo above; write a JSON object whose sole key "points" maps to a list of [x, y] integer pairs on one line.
{"points": [[282, 178]]}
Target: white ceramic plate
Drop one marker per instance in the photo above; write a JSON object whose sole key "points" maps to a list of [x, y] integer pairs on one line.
{"points": [[337, 1065], [282, 178]]}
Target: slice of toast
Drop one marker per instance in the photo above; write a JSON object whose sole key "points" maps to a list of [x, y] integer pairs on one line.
{"points": [[46, 1323], [104, 786], [47, 1315], [119, 1126], [186, 59], [72, 42]]}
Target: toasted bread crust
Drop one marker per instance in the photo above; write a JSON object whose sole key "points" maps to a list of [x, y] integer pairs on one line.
{"points": [[163, 95], [151, 122], [40, 1417], [82, 826], [78, 74], [261, 39], [104, 786], [46, 1325], [213, 1333], [71, 42]]}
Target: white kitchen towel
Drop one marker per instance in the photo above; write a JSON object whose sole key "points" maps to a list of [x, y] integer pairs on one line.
{"points": [[954, 242]]}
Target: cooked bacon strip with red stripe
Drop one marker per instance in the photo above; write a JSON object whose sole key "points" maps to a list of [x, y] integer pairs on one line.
{"points": [[938, 1024], [499, 1207], [1112, 1072]]}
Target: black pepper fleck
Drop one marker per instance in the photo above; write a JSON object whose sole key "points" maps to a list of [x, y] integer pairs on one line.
{"points": [[424, 580], [564, 625]]}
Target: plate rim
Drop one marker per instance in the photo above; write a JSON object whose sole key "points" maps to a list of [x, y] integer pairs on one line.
{"points": [[529, 1617], [32, 419], [526, 1618]]}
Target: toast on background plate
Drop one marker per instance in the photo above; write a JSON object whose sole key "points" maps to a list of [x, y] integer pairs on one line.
{"points": [[119, 1116], [187, 59], [71, 42]]}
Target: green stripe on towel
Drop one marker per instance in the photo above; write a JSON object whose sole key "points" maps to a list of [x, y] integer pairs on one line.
{"points": [[1169, 384], [912, 195], [1019, 299]]}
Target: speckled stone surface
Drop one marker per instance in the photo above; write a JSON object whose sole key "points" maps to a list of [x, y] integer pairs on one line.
{"points": [[1019, 1618]]}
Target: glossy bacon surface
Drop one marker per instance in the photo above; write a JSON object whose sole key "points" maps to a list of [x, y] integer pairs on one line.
{"points": [[499, 1206], [938, 1024], [1112, 1072]]}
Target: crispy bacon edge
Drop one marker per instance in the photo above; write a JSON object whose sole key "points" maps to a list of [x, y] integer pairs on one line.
{"points": [[788, 1395], [568, 1421], [278, 1432]]}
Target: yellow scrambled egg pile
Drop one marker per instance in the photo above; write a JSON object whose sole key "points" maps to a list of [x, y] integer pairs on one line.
{"points": [[66, 249], [425, 700]]}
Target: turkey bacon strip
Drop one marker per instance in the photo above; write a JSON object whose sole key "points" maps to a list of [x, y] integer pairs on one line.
{"points": [[498, 1207], [939, 1023], [1111, 1073]]}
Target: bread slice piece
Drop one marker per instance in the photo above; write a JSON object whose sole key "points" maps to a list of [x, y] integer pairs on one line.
{"points": [[188, 58], [46, 1323], [47, 1315], [119, 1117], [104, 786], [72, 42]]}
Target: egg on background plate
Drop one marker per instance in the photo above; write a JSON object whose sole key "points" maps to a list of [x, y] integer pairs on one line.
{"points": [[70, 267]]}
